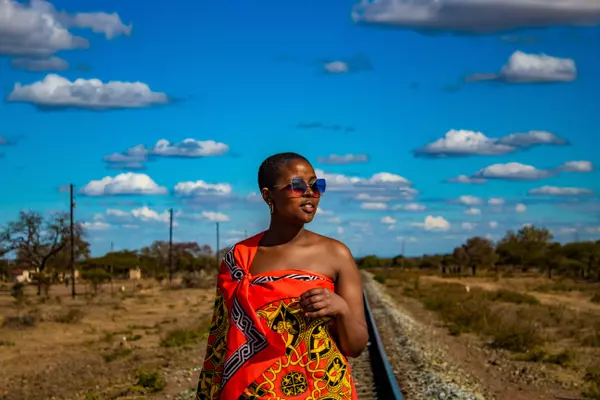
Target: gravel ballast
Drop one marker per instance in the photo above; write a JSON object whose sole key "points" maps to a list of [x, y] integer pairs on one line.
{"points": [[423, 370]]}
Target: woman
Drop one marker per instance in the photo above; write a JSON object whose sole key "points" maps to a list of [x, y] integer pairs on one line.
{"points": [[289, 306]]}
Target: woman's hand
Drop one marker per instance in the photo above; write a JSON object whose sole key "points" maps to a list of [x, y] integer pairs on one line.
{"points": [[320, 302]]}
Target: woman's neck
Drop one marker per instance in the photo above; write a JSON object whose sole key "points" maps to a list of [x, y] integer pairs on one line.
{"points": [[282, 232]]}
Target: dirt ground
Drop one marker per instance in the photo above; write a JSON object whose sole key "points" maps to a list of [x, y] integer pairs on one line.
{"points": [[575, 299], [93, 347], [502, 372]]}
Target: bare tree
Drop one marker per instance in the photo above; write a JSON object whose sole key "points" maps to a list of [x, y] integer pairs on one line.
{"points": [[37, 240]]}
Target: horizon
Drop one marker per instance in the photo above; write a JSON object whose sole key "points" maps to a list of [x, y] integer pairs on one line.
{"points": [[427, 134]]}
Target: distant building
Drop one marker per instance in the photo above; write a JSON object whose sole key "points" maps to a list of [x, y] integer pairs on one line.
{"points": [[135, 274], [21, 275]]}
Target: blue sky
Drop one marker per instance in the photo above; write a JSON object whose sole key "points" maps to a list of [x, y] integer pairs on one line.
{"points": [[445, 128]]}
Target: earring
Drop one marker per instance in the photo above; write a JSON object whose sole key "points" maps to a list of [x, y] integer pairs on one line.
{"points": [[271, 207]]}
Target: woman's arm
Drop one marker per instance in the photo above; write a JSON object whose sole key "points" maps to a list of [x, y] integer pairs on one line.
{"points": [[346, 303], [351, 324]]}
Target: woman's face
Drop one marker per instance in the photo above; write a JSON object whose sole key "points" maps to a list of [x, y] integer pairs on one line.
{"points": [[293, 204]]}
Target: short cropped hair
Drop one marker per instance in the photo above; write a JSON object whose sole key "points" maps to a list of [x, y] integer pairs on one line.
{"points": [[269, 170]]}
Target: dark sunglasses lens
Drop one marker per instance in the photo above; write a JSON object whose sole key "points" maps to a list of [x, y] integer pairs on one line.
{"points": [[298, 186], [319, 186]]}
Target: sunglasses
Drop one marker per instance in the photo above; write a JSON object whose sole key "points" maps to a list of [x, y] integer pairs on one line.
{"points": [[298, 187]]}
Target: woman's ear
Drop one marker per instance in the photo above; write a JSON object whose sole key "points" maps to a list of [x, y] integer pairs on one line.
{"points": [[266, 195]]}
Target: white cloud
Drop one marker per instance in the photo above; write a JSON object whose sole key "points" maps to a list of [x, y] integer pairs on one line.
{"points": [[469, 226], [130, 219], [409, 207], [493, 224], [56, 91], [466, 179], [108, 24], [40, 64], [32, 29], [473, 211], [560, 191], [146, 214], [387, 220], [463, 143], [373, 206], [335, 220], [410, 239], [189, 148], [345, 159], [576, 166], [520, 208], [337, 180], [495, 201], [340, 230], [336, 67], [35, 28], [136, 156], [96, 226], [116, 213], [432, 223], [385, 178], [126, 183], [370, 197], [532, 138], [476, 16], [323, 212], [379, 180], [469, 200], [513, 171], [214, 216], [532, 68], [233, 240], [202, 188]]}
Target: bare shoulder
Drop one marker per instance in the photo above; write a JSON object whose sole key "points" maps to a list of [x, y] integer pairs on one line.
{"points": [[332, 247]]}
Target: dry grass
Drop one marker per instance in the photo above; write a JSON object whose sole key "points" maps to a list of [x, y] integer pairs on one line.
{"points": [[532, 318], [100, 347]]}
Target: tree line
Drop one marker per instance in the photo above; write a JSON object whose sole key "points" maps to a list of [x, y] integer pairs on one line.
{"points": [[530, 248], [42, 244]]}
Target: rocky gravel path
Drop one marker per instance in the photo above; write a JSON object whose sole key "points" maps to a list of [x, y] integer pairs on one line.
{"points": [[423, 370]]}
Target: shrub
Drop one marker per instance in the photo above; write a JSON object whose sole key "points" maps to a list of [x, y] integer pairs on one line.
{"points": [[151, 381], [592, 378], [183, 337], [120, 352], [96, 276], [509, 296], [71, 316], [20, 321]]}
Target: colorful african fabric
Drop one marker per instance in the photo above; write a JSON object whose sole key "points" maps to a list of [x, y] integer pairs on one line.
{"points": [[260, 344]]}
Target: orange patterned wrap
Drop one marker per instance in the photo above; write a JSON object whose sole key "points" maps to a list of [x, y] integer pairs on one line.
{"points": [[261, 346]]}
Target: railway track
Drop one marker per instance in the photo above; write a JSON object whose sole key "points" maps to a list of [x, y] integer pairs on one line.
{"points": [[373, 375]]}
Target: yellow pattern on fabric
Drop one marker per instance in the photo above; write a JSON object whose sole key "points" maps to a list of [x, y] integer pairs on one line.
{"points": [[313, 366], [209, 383]]}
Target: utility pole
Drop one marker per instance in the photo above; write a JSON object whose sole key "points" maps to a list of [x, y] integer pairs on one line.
{"points": [[170, 245], [245, 234], [112, 258], [72, 230], [217, 250]]}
